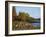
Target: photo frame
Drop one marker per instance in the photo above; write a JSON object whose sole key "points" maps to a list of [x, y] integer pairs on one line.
{"points": [[10, 30]]}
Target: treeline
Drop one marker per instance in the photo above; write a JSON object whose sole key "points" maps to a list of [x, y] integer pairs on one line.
{"points": [[25, 17]]}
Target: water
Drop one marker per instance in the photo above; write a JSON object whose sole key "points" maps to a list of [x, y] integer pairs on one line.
{"points": [[36, 24]]}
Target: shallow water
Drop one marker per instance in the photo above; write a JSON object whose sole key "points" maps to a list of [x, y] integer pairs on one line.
{"points": [[36, 24]]}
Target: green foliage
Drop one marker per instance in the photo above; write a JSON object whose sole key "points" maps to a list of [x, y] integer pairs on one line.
{"points": [[31, 20], [37, 27], [23, 16]]}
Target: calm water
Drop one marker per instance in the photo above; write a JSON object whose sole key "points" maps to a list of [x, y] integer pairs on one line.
{"points": [[36, 24]]}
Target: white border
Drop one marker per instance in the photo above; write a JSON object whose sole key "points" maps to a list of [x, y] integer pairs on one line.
{"points": [[23, 31]]}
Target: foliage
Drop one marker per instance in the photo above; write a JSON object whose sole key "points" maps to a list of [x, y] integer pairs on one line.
{"points": [[23, 16]]}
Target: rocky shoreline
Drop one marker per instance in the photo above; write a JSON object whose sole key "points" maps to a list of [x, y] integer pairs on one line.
{"points": [[19, 25]]}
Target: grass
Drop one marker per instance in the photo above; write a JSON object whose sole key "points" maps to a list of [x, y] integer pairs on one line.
{"points": [[37, 27]]}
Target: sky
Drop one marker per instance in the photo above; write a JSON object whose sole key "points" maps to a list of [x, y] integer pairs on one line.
{"points": [[32, 11]]}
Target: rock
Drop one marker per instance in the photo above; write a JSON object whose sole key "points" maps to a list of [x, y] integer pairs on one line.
{"points": [[22, 26]]}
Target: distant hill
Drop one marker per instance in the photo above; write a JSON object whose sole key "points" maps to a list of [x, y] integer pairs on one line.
{"points": [[33, 20]]}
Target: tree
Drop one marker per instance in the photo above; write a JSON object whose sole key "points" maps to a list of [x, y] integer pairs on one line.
{"points": [[23, 16], [13, 13]]}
